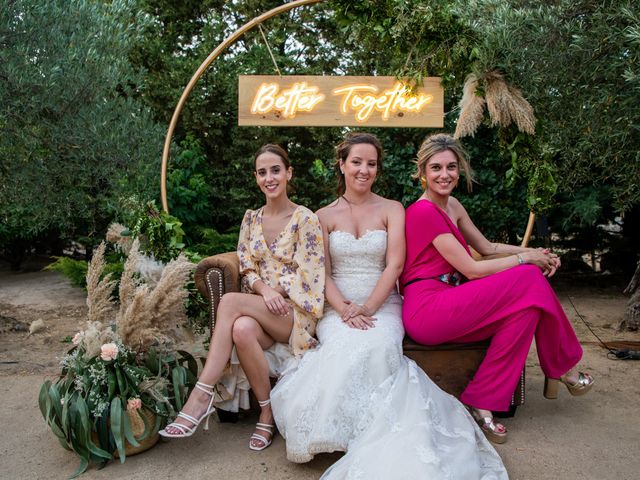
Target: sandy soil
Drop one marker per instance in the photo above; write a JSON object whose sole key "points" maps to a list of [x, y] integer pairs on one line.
{"points": [[591, 437]]}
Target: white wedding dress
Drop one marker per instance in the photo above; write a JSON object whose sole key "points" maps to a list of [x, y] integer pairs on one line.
{"points": [[357, 393]]}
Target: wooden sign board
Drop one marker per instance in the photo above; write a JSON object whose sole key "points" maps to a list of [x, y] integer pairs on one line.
{"points": [[320, 101]]}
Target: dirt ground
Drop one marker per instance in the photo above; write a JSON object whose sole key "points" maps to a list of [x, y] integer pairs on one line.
{"points": [[591, 437]]}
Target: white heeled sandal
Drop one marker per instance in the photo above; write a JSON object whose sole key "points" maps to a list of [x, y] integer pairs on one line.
{"points": [[185, 430], [265, 427]]}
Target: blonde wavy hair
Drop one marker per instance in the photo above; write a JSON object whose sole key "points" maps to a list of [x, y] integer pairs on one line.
{"points": [[437, 143]]}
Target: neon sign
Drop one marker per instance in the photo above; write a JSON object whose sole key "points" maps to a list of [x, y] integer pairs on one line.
{"points": [[338, 101]]}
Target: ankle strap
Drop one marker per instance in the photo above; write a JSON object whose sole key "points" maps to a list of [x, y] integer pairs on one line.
{"points": [[204, 387], [264, 403]]}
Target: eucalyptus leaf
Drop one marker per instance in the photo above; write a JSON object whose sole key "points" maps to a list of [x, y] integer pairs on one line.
{"points": [[43, 400], [178, 377], [117, 426], [128, 432], [84, 463]]}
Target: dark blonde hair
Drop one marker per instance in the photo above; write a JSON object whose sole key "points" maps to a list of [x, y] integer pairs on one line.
{"points": [[344, 147], [440, 142], [276, 150]]}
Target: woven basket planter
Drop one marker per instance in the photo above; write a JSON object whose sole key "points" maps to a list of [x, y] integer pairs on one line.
{"points": [[137, 426]]}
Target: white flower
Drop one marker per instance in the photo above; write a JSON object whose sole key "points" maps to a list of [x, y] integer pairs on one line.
{"points": [[77, 338]]}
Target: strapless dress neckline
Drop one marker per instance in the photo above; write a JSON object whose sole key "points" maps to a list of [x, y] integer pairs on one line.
{"points": [[364, 235]]}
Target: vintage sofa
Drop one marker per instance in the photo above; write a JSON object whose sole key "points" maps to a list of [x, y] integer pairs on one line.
{"points": [[450, 366]]}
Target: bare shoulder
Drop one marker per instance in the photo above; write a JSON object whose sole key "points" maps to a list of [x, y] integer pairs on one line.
{"points": [[392, 207], [329, 211], [456, 206]]}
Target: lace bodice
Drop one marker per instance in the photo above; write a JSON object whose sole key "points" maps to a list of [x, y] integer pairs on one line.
{"points": [[355, 256], [356, 263]]}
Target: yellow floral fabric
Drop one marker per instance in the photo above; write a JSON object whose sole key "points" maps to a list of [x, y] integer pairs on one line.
{"points": [[294, 261]]}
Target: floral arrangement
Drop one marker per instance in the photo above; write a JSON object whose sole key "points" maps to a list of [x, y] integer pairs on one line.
{"points": [[122, 379]]}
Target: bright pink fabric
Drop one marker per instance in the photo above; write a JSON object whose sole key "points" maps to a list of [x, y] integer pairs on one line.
{"points": [[509, 307]]}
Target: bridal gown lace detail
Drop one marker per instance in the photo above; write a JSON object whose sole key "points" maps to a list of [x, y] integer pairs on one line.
{"points": [[356, 392]]}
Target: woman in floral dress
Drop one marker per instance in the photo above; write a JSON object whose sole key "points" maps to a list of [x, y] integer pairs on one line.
{"points": [[282, 266]]}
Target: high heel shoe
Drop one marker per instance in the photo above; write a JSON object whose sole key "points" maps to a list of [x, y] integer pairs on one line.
{"points": [[185, 430], [494, 431], [265, 427], [582, 386]]}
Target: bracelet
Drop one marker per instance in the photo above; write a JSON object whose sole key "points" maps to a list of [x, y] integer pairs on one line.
{"points": [[520, 259]]}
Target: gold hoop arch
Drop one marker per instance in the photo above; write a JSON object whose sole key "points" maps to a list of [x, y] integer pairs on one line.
{"points": [[196, 76], [203, 67]]}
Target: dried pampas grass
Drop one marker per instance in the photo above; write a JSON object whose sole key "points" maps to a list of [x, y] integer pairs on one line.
{"points": [[99, 290], [94, 336], [115, 236], [128, 280], [498, 99], [522, 112], [150, 270], [150, 314], [471, 109], [504, 102]]}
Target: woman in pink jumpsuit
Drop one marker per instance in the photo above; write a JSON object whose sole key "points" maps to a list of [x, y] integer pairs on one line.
{"points": [[450, 297]]}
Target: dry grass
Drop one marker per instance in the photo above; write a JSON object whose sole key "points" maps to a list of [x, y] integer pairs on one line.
{"points": [[471, 109], [128, 280], [114, 235], [99, 290], [522, 112], [150, 315], [506, 104]]}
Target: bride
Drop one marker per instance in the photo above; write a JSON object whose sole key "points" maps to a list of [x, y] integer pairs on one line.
{"points": [[356, 392]]}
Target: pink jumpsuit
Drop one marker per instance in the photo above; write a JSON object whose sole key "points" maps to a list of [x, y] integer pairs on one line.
{"points": [[509, 307]]}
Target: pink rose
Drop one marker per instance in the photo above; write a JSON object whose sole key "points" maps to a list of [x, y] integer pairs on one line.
{"points": [[134, 404], [77, 338], [109, 351]]}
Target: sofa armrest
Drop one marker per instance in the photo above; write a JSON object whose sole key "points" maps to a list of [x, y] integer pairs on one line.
{"points": [[215, 276]]}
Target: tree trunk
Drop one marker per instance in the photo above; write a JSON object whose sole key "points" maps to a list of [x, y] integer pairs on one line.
{"points": [[631, 319]]}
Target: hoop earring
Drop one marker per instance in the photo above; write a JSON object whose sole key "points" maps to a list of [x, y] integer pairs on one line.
{"points": [[423, 182]]}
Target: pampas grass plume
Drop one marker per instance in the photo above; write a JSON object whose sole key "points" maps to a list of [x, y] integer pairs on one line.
{"points": [[498, 99], [522, 112], [471, 109], [128, 281], [152, 313], [99, 290]]}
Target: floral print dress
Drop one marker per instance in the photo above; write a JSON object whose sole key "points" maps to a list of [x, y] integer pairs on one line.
{"points": [[295, 261]]}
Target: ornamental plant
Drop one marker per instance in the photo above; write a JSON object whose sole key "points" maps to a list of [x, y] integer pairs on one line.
{"points": [[125, 372]]}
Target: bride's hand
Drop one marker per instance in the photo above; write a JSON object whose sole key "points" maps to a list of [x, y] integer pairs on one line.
{"points": [[361, 322], [353, 310], [275, 302]]}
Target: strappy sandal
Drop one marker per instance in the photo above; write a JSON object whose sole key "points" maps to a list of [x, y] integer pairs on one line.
{"points": [[582, 386], [265, 427], [185, 430], [494, 431]]}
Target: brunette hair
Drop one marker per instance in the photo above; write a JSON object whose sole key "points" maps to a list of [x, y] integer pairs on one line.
{"points": [[344, 147], [276, 150], [437, 143]]}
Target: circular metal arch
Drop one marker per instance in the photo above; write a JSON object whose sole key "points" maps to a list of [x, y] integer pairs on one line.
{"points": [[203, 67], [196, 76]]}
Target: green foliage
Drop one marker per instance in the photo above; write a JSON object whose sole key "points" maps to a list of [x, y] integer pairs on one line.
{"points": [[577, 62], [87, 407], [74, 137], [74, 270], [160, 234], [189, 184], [213, 242]]}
